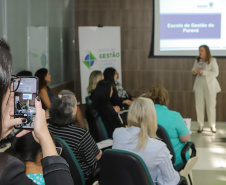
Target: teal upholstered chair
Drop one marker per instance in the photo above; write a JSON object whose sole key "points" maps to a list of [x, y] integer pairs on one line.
{"points": [[101, 130], [69, 156], [122, 167], [96, 125]]}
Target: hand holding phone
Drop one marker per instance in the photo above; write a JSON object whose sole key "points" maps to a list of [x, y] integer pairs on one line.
{"points": [[24, 101]]}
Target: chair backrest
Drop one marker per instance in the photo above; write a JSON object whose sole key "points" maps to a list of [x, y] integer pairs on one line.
{"points": [[91, 119], [96, 125], [69, 156], [89, 107], [122, 167], [163, 135], [101, 130], [88, 100]]}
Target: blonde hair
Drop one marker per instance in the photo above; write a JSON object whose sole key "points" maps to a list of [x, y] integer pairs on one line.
{"points": [[159, 95], [94, 78], [142, 114]]}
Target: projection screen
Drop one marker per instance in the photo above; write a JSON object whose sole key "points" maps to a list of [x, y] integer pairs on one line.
{"points": [[181, 26]]}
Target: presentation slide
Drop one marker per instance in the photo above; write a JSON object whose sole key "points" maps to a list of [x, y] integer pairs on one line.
{"points": [[27, 96], [181, 26]]}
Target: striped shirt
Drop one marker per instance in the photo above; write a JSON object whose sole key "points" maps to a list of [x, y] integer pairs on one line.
{"points": [[81, 143]]}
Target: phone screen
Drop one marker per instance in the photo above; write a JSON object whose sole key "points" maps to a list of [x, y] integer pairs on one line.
{"points": [[24, 101]]}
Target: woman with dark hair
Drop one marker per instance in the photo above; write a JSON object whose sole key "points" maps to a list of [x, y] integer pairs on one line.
{"points": [[170, 120], [44, 90], [102, 103], [12, 170], [24, 73], [29, 151], [120, 96], [206, 87], [110, 74], [62, 117]]}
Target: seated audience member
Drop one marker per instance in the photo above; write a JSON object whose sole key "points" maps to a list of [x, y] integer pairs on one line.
{"points": [[122, 93], [12, 170], [94, 78], [140, 138], [172, 121], [44, 90], [18, 105], [111, 75], [29, 151], [108, 113], [24, 73], [79, 118], [62, 117]]}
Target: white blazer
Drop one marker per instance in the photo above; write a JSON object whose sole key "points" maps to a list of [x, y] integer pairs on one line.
{"points": [[211, 73]]}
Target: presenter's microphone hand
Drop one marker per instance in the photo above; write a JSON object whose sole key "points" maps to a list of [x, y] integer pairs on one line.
{"points": [[200, 72], [195, 71]]}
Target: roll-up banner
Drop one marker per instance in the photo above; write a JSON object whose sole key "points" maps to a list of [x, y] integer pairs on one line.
{"points": [[99, 48]]}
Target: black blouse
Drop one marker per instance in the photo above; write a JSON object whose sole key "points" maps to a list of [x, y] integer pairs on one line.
{"points": [[109, 117]]}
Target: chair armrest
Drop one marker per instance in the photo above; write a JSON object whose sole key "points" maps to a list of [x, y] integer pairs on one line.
{"points": [[96, 172], [186, 148], [106, 148], [95, 176], [183, 181]]}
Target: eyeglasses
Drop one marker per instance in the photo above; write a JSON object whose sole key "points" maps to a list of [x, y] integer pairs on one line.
{"points": [[16, 82], [59, 150]]}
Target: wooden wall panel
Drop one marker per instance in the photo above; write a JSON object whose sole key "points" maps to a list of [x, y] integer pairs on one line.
{"points": [[139, 72], [57, 89]]}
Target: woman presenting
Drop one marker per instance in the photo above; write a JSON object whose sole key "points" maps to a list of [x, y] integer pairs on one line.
{"points": [[206, 87]]}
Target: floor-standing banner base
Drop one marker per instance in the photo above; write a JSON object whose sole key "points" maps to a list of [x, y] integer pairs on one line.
{"points": [[99, 48]]}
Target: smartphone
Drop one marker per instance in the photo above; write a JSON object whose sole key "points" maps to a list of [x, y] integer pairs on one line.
{"points": [[24, 101]]}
